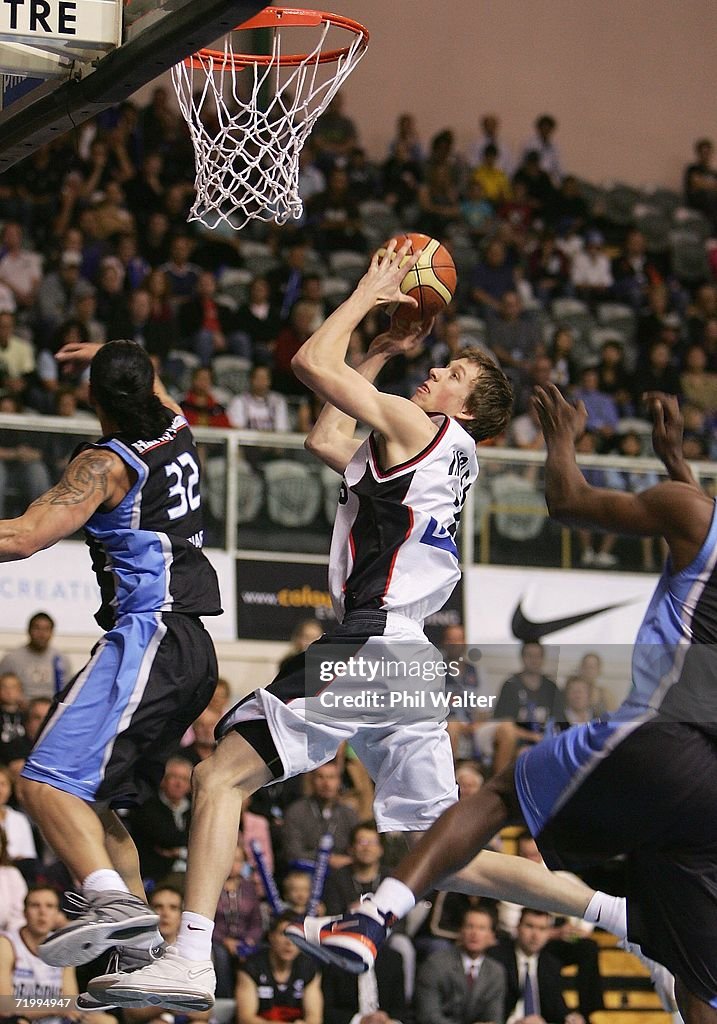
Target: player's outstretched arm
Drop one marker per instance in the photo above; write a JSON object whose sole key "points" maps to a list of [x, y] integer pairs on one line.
{"points": [[95, 477], [83, 352], [676, 511], [332, 439], [320, 362]]}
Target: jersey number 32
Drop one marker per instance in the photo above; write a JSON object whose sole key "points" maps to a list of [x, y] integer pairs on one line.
{"points": [[185, 486]]}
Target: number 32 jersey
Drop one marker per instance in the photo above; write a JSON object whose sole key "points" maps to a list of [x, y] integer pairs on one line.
{"points": [[393, 546], [146, 552]]}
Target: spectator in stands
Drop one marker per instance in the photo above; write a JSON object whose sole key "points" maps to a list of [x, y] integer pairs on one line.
{"points": [[333, 216], [476, 211], [512, 334], [207, 324], [21, 462], [634, 271], [490, 136], [655, 311], [602, 558], [603, 414], [698, 385], [590, 668], [345, 886], [160, 827], [156, 239], [569, 207], [407, 137], [13, 890], [578, 705], [363, 177], [307, 819], [702, 310], [279, 983], [439, 201], [50, 376], [17, 358], [538, 186], [303, 322], [238, 926], [14, 753], [342, 993], [591, 274], [296, 891], [136, 268], [111, 296], [40, 667], [543, 142], [565, 367], [492, 277], [12, 709], [285, 280], [145, 192], [443, 154], [525, 431], [548, 271], [529, 698], [199, 404], [20, 268], [461, 984], [58, 294], [656, 374], [335, 134], [182, 275], [492, 178], [259, 408], [311, 178], [629, 445], [86, 315], [402, 176], [700, 181], [614, 378], [534, 983], [259, 319], [470, 728], [304, 633], [136, 324], [17, 827]]}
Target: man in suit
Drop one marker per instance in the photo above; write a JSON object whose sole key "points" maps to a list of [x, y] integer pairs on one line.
{"points": [[534, 992], [460, 985]]}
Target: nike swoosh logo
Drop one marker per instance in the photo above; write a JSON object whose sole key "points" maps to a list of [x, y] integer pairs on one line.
{"points": [[193, 928], [528, 631]]}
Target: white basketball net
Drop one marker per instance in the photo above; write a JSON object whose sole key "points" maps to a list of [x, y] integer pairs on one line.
{"points": [[246, 157]]}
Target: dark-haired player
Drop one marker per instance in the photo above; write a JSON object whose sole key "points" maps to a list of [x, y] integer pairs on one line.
{"points": [[103, 744], [393, 562]]}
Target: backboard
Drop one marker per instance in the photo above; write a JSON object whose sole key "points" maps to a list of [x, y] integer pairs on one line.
{"points": [[64, 61]]}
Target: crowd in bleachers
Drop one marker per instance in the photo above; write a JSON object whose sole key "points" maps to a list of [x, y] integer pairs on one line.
{"points": [[287, 821], [606, 291]]}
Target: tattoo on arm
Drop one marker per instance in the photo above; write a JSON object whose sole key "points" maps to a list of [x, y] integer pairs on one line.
{"points": [[87, 475]]}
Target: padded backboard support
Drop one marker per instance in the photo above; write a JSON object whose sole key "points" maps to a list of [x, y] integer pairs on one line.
{"points": [[54, 108]]}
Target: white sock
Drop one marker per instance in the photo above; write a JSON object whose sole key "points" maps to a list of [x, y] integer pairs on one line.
{"points": [[104, 880], [610, 912], [195, 937], [393, 897]]}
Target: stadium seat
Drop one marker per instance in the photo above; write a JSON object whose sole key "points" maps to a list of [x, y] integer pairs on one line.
{"points": [[685, 219], [258, 257], [348, 265], [180, 365], [250, 490], [293, 493], [379, 218], [689, 259], [620, 202], [232, 372], [519, 506]]}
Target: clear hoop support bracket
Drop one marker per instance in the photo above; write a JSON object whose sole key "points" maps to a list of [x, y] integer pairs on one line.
{"points": [[249, 116]]}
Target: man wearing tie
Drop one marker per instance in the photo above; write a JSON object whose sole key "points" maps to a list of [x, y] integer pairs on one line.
{"points": [[534, 985], [460, 985]]}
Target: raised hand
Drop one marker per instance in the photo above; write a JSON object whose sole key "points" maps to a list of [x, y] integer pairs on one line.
{"points": [[401, 337], [558, 418], [389, 266], [668, 425]]}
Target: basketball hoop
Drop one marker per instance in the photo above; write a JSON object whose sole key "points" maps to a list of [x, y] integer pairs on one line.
{"points": [[247, 132]]}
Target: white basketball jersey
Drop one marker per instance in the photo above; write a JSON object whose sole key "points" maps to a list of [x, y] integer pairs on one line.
{"points": [[31, 978], [393, 545]]}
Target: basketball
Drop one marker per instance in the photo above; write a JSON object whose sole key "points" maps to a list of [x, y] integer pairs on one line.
{"points": [[432, 281]]}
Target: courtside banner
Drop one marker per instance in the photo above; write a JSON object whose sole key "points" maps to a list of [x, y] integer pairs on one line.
{"points": [[60, 581], [274, 597], [554, 606]]}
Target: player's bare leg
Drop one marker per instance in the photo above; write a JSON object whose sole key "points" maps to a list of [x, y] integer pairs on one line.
{"points": [[122, 851], [219, 786]]}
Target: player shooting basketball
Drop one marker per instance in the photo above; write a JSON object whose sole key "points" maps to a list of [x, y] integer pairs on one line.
{"points": [[393, 562]]}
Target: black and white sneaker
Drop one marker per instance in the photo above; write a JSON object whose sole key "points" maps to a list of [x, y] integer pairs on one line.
{"points": [[124, 960]]}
